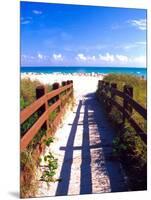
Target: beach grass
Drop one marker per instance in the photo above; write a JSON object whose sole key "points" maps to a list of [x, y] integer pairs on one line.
{"points": [[139, 85], [29, 158], [127, 145], [139, 93], [28, 91]]}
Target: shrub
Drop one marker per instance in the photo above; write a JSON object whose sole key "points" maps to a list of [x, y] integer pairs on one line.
{"points": [[132, 152], [28, 184], [127, 145], [28, 91]]}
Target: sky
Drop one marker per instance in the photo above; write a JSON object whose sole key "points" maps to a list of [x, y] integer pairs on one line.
{"points": [[74, 35]]}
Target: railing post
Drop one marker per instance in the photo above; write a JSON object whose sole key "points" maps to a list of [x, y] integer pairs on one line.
{"points": [[100, 89], [56, 98], [68, 82], [113, 87], [71, 81], [64, 83], [101, 86], [107, 84], [55, 86], [40, 91], [106, 89], [128, 91]]}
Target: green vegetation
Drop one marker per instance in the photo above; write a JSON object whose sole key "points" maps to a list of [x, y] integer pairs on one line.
{"points": [[37, 139], [28, 123], [28, 91], [28, 183], [139, 95], [127, 145], [132, 152], [50, 168], [30, 158], [139, 85], [48, 141], [30, 161]]}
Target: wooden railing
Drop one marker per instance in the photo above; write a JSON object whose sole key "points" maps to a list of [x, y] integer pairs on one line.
{"points": [[107, 93], [57, 97]]}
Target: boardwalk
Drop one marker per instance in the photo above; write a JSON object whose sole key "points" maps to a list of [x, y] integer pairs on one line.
{"points": [[83, 147]]}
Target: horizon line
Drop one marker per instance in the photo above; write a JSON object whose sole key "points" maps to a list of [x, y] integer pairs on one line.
{"points": [[88, 66]]}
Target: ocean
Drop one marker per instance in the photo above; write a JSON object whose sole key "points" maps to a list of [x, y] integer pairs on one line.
{"points": [[103, 70]]}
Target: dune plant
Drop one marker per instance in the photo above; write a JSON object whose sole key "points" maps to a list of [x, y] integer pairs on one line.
{"points": [[31, 157], [28, 91], [127, 145], [50, 168], [28, 183], [48, 141]]}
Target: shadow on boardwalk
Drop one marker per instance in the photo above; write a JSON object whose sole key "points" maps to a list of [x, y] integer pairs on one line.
{"points": [[96, 152]]}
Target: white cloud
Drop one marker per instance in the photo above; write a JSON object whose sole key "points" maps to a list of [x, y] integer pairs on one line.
{"points": [[82, 57], [26, 22], [114, 59], [37, 12], [92, 58], [27, 57], [57, 57], [139, 24], [122, 58], [141, 43], [40, 56], [140, 59], [107, 57], [129, 46]]}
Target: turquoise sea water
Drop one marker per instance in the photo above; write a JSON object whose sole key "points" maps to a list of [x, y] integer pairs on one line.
{"points": [[102, 70]]}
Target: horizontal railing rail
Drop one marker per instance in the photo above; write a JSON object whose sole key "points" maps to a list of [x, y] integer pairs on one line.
{"points": [[142, 111], [41, 104], [108, 93]]}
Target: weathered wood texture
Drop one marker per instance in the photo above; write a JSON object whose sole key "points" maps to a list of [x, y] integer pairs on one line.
{"points": [[41, 106], [108, 92]]}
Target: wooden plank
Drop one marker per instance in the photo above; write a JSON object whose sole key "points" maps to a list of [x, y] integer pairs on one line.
{"points": [[139, 131], [66, 96], [142, 111], [57, 119], [35, 128], [118, 93], [57, 91], [32, 131], [54, 106], [31, 109], [119, 107], [133, 123], [137, 128]]}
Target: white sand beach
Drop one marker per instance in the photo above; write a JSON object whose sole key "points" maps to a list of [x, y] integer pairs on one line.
{"points": [[81, 167], [83, 82]]}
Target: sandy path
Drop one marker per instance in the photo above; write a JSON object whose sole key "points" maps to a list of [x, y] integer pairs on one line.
{"points": [[83, 146]]}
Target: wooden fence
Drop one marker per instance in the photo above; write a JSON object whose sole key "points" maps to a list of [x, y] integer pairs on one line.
{"points": [[108, 92], [58, 97]]}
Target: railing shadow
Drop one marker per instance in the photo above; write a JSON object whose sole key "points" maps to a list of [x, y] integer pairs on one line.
{"points": [[101, 144], [108, 165], [62, 188], [85, 178]]}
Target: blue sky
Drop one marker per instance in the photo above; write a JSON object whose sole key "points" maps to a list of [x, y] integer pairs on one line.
{"points": [[72, 35]]}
